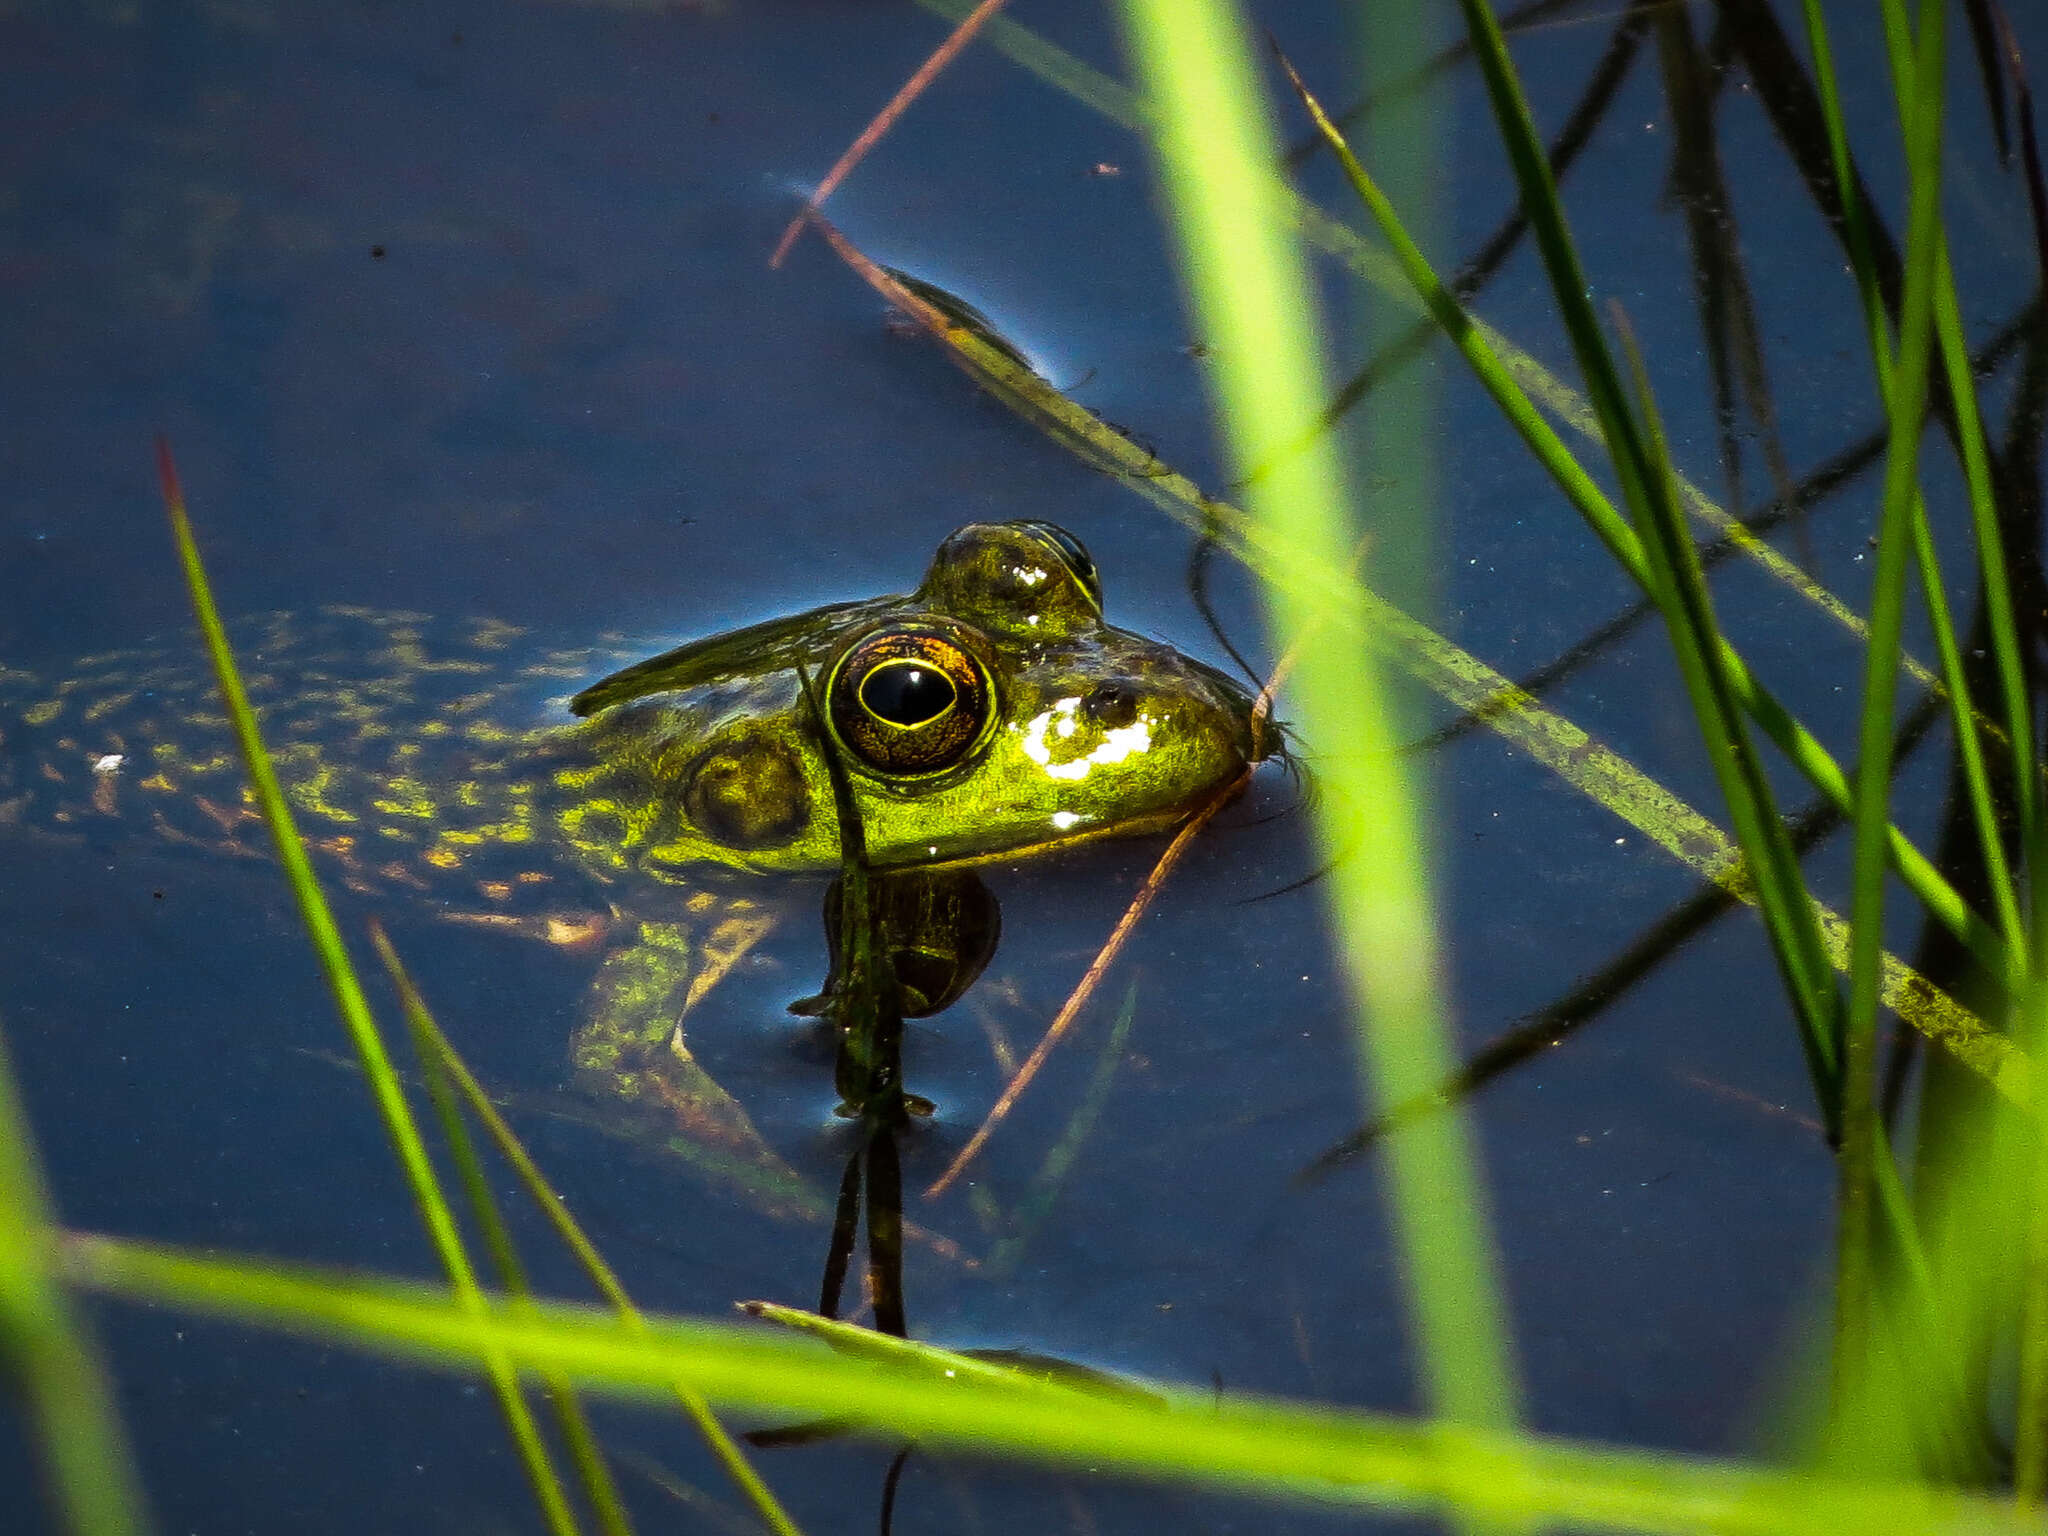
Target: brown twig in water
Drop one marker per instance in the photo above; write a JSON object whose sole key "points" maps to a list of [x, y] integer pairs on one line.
{"points": [[883, 121], [1078, 999], [1262, 710]]}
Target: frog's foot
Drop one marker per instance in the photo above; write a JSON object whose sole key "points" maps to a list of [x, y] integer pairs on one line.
{"points": [[634, 1048], [670, 1079]]}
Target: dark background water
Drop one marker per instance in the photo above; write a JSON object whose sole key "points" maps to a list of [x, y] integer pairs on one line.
{"points": [[465, 309]]}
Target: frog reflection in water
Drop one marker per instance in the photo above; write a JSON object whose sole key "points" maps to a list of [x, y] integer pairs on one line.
{"points": [[992, 713]]}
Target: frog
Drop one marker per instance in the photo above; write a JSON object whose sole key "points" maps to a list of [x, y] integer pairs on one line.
{"points": [[991, 713]]}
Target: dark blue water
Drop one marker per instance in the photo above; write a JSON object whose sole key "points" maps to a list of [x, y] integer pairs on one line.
{"points": [[465, 309]]}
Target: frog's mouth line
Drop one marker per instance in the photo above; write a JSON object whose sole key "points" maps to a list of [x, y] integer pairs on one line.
{"points": [[1151, 824]]}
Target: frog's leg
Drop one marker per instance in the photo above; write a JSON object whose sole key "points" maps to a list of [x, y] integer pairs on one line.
{"points": [[634, 1045]]}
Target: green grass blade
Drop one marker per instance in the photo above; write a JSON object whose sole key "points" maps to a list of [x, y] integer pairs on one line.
{"points": [[1908, 403], [571, 1423], [47, 1358], [435, 1045], [2030, 1428], [1985, 522], [1192, 1435], [1680, 589], [399, 1125], [1249, 288], [1969, 748], [1792, 919], [1568, 283], [1984, 517], [1997, 584]]}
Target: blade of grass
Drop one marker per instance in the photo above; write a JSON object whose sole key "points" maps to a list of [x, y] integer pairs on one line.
{"points": [[399, 1125], [2030, 1417], [436, 1045], [571, 1423], [87, 1470], [1996, 587], [2030, 1440], [1680, 590], [1198, 1436], [1790, 912], [1249, 289], [1921, 114]]}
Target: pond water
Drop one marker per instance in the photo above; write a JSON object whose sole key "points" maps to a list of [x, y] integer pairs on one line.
{"points": [[465, 310]]}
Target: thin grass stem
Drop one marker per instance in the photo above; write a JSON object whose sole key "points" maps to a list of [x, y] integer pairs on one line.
{"points": [[506, 1140], [571, 1423], [1977, 474], [1856, 1217], [1680, 590], [399, 1125], [961, 35]]}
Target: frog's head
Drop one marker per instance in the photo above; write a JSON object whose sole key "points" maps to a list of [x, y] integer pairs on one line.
{"points": [[990, 713]]}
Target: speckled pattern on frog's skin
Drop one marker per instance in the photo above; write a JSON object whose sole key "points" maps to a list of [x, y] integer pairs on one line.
{"points": [[406, 747]]}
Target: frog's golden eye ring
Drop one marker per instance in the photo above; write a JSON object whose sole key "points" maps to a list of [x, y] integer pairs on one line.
{"points": [[909, 701]]}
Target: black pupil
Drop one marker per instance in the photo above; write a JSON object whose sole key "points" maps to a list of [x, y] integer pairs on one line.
{"points": [[906, 693]]}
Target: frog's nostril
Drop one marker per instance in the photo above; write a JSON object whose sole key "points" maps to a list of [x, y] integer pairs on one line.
{"points": [[1111, 705]]}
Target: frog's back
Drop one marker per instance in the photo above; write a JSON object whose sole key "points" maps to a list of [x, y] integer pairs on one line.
{"points": [[404, 744]]}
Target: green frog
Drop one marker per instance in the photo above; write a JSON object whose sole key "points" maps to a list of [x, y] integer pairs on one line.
{"points": [[992, 713]]}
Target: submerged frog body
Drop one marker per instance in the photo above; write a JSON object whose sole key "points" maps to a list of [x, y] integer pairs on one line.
{"points": [[991, 713]]}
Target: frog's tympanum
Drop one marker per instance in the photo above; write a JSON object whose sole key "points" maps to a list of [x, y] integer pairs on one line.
{"points": [[991, 713]]}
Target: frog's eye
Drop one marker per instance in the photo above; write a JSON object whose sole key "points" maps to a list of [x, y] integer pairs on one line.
{"points": [[908, 701], [1071, 550], [1028, 581]]}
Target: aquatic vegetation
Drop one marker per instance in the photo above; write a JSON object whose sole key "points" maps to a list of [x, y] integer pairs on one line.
{"points": [[1925, 1308]]}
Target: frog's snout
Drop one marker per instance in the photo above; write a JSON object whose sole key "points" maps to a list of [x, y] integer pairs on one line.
{"points": [[1250, 730]]}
